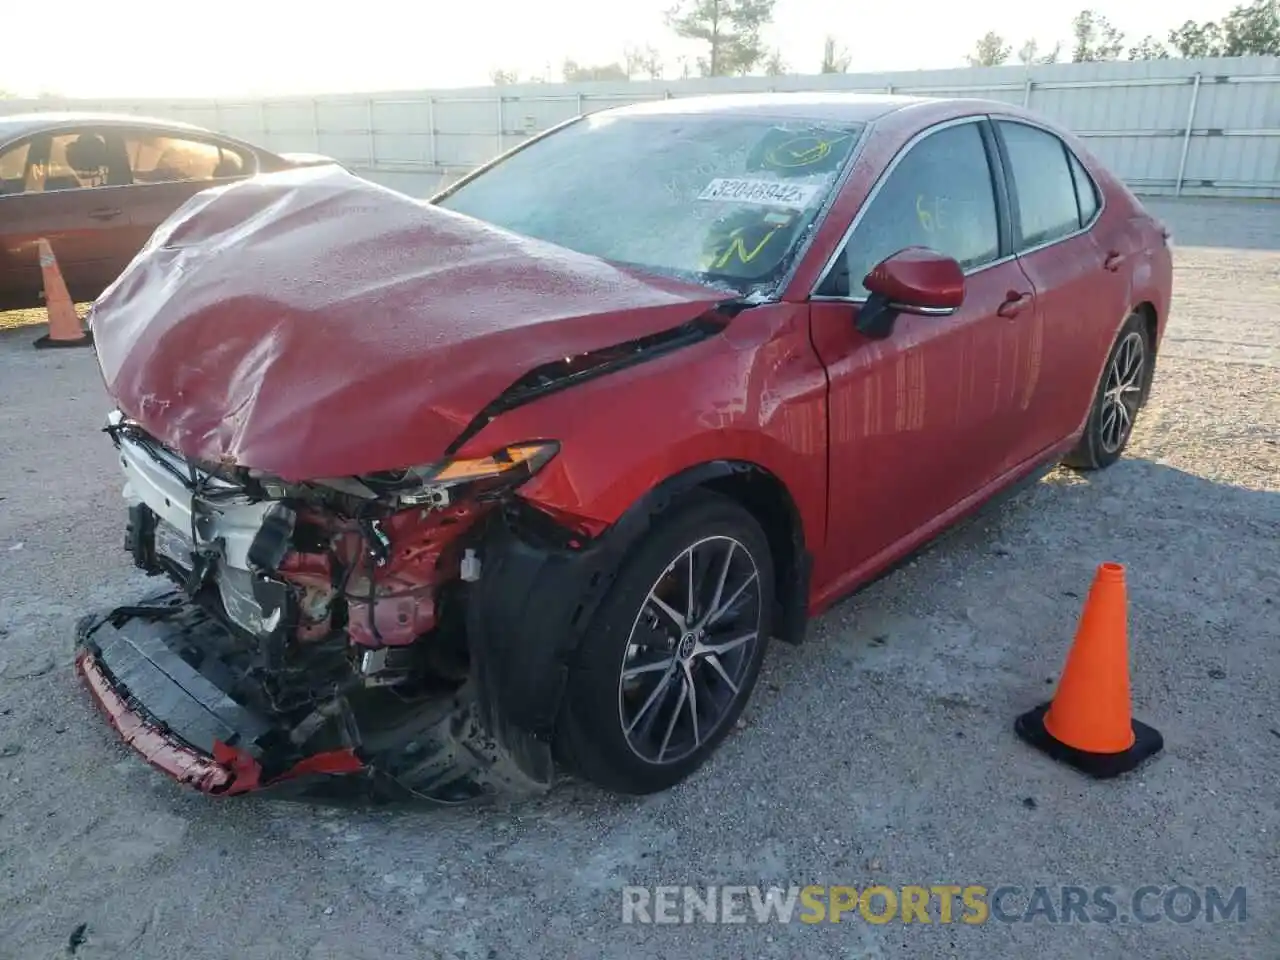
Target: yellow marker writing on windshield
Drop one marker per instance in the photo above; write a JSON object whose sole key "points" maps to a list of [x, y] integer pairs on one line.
{"points": [[738, 247], [802, 151]]}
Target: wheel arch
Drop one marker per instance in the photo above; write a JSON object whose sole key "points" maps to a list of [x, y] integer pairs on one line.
{"points": [[540, 585], [1151, 320], [762, 494]]}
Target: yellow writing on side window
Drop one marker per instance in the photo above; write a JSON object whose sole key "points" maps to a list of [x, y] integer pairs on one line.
{"points": [[929, 213]]}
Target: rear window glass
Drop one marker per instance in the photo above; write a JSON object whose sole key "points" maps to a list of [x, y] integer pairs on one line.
{"points": [[164, 159]]}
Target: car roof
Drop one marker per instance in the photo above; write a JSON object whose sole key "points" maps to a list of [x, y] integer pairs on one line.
{"points": [[832, 106], [16, 125]]}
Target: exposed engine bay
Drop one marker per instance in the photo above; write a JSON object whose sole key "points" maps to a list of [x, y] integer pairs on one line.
{"points": [[319, 624]]}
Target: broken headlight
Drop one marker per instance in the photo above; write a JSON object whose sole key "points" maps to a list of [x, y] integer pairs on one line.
{"points": [[438, 484]]}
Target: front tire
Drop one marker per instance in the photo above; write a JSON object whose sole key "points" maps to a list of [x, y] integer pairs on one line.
{"points": [[1121, 394], [674, 651]]}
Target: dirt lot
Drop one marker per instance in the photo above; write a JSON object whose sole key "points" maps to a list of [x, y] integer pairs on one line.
{"points": [[880, 752]]}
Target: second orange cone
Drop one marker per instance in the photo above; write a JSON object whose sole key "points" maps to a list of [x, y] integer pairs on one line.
{"points": [[1089, 723], [65, 329]]}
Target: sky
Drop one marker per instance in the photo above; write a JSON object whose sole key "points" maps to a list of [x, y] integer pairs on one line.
{"points": [[310, 47]]}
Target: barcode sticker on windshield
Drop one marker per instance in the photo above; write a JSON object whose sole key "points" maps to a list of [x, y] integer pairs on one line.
{"points": [[767, 193]]}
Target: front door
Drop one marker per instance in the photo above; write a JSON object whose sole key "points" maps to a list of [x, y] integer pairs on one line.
{"points": [[923, 419], [73, 195]]}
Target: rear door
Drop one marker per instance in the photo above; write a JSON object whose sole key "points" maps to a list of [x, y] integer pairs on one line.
{"points": [[72, 185], [170, 168], [1082, 295]]}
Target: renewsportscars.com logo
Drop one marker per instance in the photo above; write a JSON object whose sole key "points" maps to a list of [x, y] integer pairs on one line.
{"points": [[971, 904]]}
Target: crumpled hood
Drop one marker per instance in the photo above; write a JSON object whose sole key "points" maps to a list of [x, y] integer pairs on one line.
{"points": [[311, 324]]}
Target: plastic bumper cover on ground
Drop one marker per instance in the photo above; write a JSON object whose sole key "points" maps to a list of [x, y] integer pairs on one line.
{"points": [[172, 714], [137, 663]]}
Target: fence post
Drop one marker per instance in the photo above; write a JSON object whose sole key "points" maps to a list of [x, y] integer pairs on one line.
{"points": [[1186, 135], [1026, 93], [315, 124], [373, 138], [501, 124], [431, 131]]}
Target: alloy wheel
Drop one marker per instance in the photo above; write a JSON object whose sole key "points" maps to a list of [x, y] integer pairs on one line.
{"points": [[690, 650], [1122, 393]]}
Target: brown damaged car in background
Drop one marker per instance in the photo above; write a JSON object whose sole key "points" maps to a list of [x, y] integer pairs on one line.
{"points": [[96, 185]]}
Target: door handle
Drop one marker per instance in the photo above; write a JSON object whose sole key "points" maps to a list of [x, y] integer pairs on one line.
{"points": [[105, 213], [1113, 261], [1013, 304]]}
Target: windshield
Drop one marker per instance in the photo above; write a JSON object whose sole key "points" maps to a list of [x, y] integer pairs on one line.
{"points": [[718, 198]]}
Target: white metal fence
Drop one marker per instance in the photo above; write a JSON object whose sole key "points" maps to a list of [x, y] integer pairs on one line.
{"points": [[1168, 127]]}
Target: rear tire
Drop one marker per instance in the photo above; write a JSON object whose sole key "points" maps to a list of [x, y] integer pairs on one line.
{"points": [[1122, 391], [657, 685]]}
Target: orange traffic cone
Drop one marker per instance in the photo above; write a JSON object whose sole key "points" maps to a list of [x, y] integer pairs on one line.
{"points": [[65, 329], [1088, 724]]}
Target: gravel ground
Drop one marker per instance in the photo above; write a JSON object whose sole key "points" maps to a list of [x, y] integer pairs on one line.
{"points": [[879, 752], [13, 319]]}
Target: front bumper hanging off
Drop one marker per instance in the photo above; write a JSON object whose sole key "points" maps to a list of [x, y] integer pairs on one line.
{"points": [[153, 670]]}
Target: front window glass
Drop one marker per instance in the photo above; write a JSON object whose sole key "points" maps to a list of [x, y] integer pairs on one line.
{"points": [[939, 196], [76, 161], [723, 198], [13, 168]]}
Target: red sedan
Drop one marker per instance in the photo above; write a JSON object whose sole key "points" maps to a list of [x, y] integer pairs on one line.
{"points": [[449, 492]]}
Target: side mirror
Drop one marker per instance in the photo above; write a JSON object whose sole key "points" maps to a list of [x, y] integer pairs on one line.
{"points": [[916, 280]]}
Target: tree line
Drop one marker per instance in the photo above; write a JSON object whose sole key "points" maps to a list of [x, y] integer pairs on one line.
{"points": [[731, 34], [1250, 29]]}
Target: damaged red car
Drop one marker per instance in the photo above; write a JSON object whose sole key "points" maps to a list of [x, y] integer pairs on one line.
{"points": [[450, 495]]}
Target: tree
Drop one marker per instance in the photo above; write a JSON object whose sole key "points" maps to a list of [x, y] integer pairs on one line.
{"points": [[835, 59], [645, 63], [730, 28], [774, 65], [1149, 49], [574, 73], [990, 51], [500, 78], [1029, 54], [1252, 30], [1095, 38], [1194, 40], [1248, 30]]}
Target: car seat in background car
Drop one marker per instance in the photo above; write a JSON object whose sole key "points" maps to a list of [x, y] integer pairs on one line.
{"points": [[229, 165], [87, 156]]}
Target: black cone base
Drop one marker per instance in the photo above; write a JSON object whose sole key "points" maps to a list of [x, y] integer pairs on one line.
{"points": [[48, 343], [1147, 742]]}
